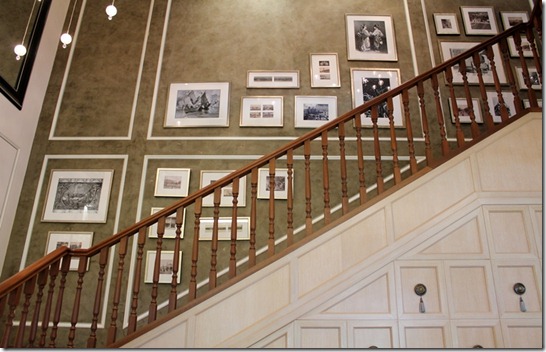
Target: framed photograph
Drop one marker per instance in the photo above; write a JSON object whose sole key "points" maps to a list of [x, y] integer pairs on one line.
{"points": [[226, 198], [446, 24], [525, 47], [527, 103], [73, 240], [452, 49], [512, 18], [479, 20], [166, 267], [198, 105], [533, 76], [494, 104], [464, 115], [273, 79], [224, 228], [261, 112], [314, 111], [78, 196], [281, 183], [370, 38], [171, 182], [367, 84], [170, 225], [324, 71]]}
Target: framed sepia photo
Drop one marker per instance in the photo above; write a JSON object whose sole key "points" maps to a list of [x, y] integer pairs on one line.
{"points": [[370, 38], [198, 105], [533, 76], [464, 114], [78, 196], [525, 47], [170, 225], [226, 197], [495, 106], [206, 227], [273, 79], [261, 111], [479, 20], [172, 182], [512, 18], [314, 111], [366, 84], [324, 71], [72, 240], [446, 24], [281, 183], [166, 266]]}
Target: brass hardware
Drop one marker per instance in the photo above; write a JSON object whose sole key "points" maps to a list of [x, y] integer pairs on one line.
{"points": [[420, 290], [519, 289]]}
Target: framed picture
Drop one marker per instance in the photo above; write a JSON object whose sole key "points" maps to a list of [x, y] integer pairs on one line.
{"points": [[464, 114], [324, 71], [261, 111], [452, 49], [198, 105], [78, 196], [73, 240], [224, 228], [281, 183], [527, 103], [494, 104], [525, 47], [446, 24], [533, 76], [273, 79], [171, 182], [166, 266], [370, 38], [170, 225], [479, 20], [226, 198], [512, 18], [367, 84], [314, 111]]}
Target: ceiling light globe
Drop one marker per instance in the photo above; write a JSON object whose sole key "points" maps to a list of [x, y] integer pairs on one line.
{"points": [[111, 11], [20, 50], [66, 39]]}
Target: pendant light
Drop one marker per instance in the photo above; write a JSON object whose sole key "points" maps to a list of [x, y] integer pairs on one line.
{"points": [[111, 10], [66, 38], [21, 49]]}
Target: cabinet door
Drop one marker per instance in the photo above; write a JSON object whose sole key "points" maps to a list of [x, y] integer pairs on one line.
{"points": [[320, 334], [425, 334], [370, 334], [476, 334], [522, 333]]}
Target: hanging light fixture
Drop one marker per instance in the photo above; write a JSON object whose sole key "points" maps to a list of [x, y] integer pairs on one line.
{"points": [[111, 10], [21, 49], [66, 38]]}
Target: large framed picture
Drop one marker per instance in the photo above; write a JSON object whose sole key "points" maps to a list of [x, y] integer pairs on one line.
{"points": [[324, 71], [479, 20], [172, 182], [78, 196], [495, 106], [533, 76], [262, 111], [273, 79], [446, 24], [198, 105], [370, 38], [314, 111], [281, 183], [464, 112], [206, 227], [512, 18], [367, 84], [166, 266], [170, 225], [72, 240], [226, 197]]}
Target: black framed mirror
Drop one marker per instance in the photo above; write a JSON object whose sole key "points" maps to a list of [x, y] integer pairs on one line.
{"points": [[21, 21]]}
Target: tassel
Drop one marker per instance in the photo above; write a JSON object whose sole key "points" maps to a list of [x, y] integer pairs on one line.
{"points": [[421, 305], [522, 305]]}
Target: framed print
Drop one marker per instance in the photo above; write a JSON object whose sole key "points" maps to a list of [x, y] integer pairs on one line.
{"points": [[273, 79], [324, 71], [281, 183], [198, 105], [314, 111], [73, 240], [527, 103], [525, 47], [446, 24], [170, 225], [166, 266], [494, 104], [464, 114], [78, 196], [512, 18], [226, 198], [171, 182], [533, 76], [479, 20], [370, 38], [261, 111], [367, 84], [452, 49], [224, 228]]}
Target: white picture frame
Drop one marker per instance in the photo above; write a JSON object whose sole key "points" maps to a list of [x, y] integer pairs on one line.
{"points": [[446, 24], [512, 18], [525, 47], [71, 239], [226, 198], [493, 103], [479, 20], [370, 38], [172, 182], [165, 269], [533, 76], [324, 70], [261, 111], [170, 225], [224, 228], [464, 116], [281, 183], [273, 79], [314, 111]]}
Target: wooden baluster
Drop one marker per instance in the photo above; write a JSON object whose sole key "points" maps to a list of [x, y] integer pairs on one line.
{"points": [[3, 303], [505, 54], [42, 281], [13, 302], [498, 89], [271, 230], [137, 279], [439, 113], [409, 131], [360, 155], [424, 120], [308, 214], [214, 242], [474, 129], [325, 177], [290, 197], [394, 145], [112, 330], [454, 107], [65, 267], [343, 167], [152, 310], [233, 248], [195, 250], [103, 258], [536, 57], [525, 69], [378, 166], [176, 260], [253, 197], [82, 268], [489, 123], [28, 291]]}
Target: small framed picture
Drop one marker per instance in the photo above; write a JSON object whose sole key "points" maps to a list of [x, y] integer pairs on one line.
{"points": [[166, 267], [172, 182], [72, 240], [525, 47], [370, 38], [533, 76], [446, 24], [198, 105], [281, 183], [261, 111], [206, 227], [464, 113], [479, 20], [314, 111], [273, 79], [495, 106], [512, 18], [170, 225], [78, 196], [324, 71], [226, 197]]}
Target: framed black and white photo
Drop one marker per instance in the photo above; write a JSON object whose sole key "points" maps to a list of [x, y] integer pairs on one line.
{"points": [[464, 112], [533, 77], [446, 24], [170, 225], [273, 79], [261, 111], [226, 196], [314, 111], [206, 227], [495, 106], [280, 183], [172, 182], [512, 18], [198, 105], [479, 20], [325, 71], [166, 267], [70, 239], [366, 84], [78, 196], [370, 38]]}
